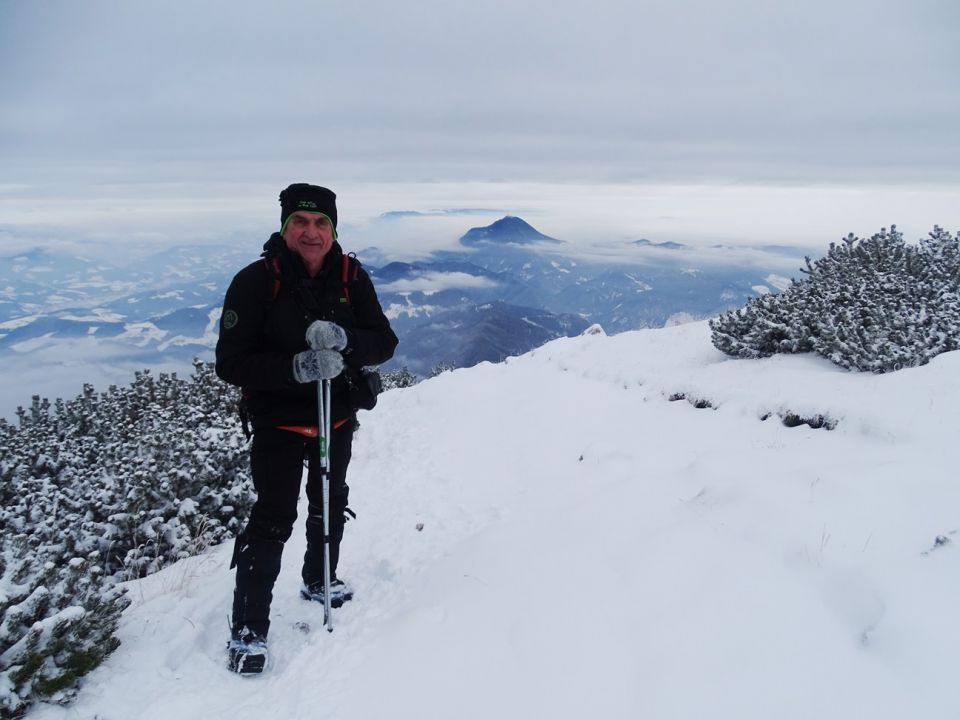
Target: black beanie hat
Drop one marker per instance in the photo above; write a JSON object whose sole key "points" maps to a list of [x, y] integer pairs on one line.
{"points": [[309, 198]]}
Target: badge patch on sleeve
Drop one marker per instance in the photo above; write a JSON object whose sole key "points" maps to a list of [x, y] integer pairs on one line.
{"points": [[230, 320]]}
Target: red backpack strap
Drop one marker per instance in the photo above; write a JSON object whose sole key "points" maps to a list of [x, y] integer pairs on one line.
{"points": [[273, 270], [346, 276]]}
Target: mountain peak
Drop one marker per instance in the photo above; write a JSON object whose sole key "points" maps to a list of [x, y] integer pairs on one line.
{"points": [[508, 230], [668, 245]]}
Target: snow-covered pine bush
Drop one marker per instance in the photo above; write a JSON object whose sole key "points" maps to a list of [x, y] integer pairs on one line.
{"points": [[442, 367], [99, 489], [57, 622], [940, 290], [398, 378], [876, 304], [145, 475]]}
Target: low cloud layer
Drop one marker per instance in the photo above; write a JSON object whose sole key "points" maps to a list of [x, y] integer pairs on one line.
{"points": [[433, 282]]}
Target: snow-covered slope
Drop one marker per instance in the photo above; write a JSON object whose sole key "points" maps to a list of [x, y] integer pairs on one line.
{"points": [[590, 548]]}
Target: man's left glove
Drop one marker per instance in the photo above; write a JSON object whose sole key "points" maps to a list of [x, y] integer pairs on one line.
{"points": [[313, 365], [324, 335]]}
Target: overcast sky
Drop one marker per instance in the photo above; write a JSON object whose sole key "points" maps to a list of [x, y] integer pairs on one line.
{"points": [[137, 114]]}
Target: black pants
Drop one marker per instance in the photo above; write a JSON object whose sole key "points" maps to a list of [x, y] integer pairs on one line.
{"points": [[277, 463]]}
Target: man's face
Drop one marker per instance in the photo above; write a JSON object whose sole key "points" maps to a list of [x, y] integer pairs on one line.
{"points": [[310, 236]]}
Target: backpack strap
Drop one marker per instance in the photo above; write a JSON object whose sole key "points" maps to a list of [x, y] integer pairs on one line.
{"points": [[271, 264], [349, 272], [273, 273]]}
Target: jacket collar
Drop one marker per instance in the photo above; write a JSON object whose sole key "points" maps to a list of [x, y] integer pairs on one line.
{"points": [[292, 266]]}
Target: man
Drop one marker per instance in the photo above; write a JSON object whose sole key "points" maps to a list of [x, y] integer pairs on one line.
{"points": [[303, 314]]}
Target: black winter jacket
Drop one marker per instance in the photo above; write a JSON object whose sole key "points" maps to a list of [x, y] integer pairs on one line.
{"points": [[260, 334]]}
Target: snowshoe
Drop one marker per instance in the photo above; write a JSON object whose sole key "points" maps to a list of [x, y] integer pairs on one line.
{"points": [[247, 653], [340, 592]]}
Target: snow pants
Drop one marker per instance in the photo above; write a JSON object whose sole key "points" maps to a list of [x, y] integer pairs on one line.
{"points": [[276, 460]]}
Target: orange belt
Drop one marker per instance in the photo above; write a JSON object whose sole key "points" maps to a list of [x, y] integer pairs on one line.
{"points": [[310, 431]]}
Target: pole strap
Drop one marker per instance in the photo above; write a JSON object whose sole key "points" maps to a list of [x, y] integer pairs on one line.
{"points": [[311, 431]]}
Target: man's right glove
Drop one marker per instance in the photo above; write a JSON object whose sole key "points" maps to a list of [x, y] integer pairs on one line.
{"points": [[313, 365]]}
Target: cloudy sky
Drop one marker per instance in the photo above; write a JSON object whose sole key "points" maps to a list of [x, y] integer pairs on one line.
{"points": [[672, 119]]}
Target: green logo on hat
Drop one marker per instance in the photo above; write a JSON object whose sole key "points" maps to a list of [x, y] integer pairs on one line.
{"points": [[230, 320], [307, 204]]}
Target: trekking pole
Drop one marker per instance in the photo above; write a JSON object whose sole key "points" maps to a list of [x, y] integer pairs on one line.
{"points": [[323, 403]]}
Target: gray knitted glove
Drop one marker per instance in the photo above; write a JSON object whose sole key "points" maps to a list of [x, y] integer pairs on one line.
{"points": [[313, 365], [323, 335]]}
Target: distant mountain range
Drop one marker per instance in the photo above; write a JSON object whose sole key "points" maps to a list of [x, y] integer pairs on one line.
{"points": [[508, 289], [516, 284]]}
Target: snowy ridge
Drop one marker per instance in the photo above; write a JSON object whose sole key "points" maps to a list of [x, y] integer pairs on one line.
{"points": [[590, 548]]}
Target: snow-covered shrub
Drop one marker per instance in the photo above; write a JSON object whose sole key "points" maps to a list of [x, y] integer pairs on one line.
{"points": [[398, 378], [104, 488], [876, 304], [145, 475], [442, 367], [57, 622]]}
